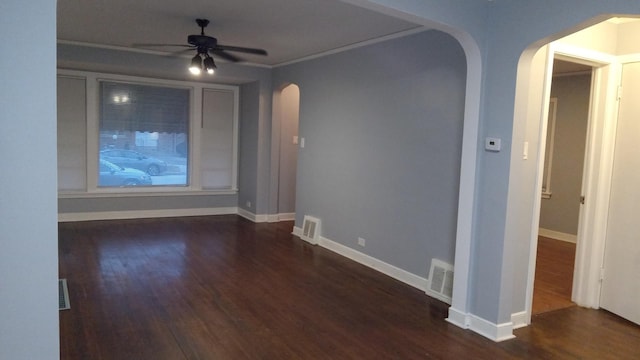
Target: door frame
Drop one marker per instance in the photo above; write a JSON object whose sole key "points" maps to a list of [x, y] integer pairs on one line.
{"points": [[597, 172]]}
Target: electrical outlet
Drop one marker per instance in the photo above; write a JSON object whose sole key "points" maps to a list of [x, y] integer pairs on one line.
{"points": [[362, 242]]}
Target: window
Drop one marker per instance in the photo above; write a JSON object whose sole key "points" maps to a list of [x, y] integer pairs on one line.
{"points": [[142, 129], [126, 135], [548, 153]]}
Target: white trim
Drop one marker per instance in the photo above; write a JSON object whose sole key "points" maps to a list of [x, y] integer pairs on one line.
{"points": [[495, 332], [88, 195], [520, 319], [287, 216], [537, 201], [548, 131], [580, 55], [297, 231], [593, 214], [598, 166], [265, 218], [142, 214], [92, 80], [381, 266], [251, 216], [371, 262], [597, 176], [557, 235], [629, 58], [458, 318], [273, 218], [468, 166], [399, 34]]}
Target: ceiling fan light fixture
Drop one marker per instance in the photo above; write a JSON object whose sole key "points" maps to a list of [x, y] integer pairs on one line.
{"points": [[196, 65], [209, 65]]}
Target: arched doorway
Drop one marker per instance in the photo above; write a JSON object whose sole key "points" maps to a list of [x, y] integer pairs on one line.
{"points": [[289, 142], [592, 229]]}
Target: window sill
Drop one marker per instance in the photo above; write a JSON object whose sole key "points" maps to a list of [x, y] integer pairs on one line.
{"points": [[141, 193]]}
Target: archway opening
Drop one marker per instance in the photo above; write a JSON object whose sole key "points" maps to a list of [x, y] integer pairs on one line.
{"points": [[588, 47]]}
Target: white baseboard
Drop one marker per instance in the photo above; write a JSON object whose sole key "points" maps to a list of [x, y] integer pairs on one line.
{"points": [[281, 217], [495, 332], [366, 260], [557, 235], [160, 213], [297, 231], [142, 214], [251, 216], [271, 218], [492, 331], [520, 319], [458, 318], [287, 216]]}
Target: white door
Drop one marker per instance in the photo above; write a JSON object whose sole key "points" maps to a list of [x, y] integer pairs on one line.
{"points": [[621, 284]]}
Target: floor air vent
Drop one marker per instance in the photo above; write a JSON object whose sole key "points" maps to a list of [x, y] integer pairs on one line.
{"points": [[310, 230], [63, 295], [440, 284]]}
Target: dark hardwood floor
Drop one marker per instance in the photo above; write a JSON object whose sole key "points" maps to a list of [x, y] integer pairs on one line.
{"points": [[225, 288], [554, 275]]}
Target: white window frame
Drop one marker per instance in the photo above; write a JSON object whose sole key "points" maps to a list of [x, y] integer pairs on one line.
{"points": [[551, 126], [194, 186]]}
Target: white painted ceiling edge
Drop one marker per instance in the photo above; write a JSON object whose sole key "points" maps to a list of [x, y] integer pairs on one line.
{"points": [[289, 30]]}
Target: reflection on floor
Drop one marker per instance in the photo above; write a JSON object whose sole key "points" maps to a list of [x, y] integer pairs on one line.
{"points": [[222, 287], [554, 275]]}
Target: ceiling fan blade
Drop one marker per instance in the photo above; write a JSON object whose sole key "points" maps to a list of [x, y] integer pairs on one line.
{"points": [[180, 52], [159, 45], [225, 56], [242, 49]]}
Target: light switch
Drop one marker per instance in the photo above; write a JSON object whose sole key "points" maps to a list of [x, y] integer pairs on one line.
{"points": [[492, 144], [295, 139], [302, 142]]}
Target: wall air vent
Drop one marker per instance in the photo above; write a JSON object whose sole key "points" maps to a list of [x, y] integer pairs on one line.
{"points": [[310, 230], [440, 283]]}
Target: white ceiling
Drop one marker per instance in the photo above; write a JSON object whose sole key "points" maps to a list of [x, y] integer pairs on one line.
{"points": [[287, 29]]}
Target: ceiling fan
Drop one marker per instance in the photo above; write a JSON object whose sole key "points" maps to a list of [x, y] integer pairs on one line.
{"points": [[205, 46]]}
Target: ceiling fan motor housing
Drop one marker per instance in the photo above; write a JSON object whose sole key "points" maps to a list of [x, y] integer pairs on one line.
{"points": [[202, 41]]}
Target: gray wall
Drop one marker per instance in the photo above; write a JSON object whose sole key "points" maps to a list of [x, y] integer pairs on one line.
{"points": [[28, 228], [561, 211], [248, 155], [383, 128], [255, 112]]}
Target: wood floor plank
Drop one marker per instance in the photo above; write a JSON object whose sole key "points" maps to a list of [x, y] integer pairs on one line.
{"points": [[554, 275], [222, 287]]}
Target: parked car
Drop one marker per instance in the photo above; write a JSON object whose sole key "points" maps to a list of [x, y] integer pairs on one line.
{"points": [[135, 160], [111, 174]]}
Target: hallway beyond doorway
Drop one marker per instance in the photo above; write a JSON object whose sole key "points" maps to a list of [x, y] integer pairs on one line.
{"points": [[554, 275]]}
